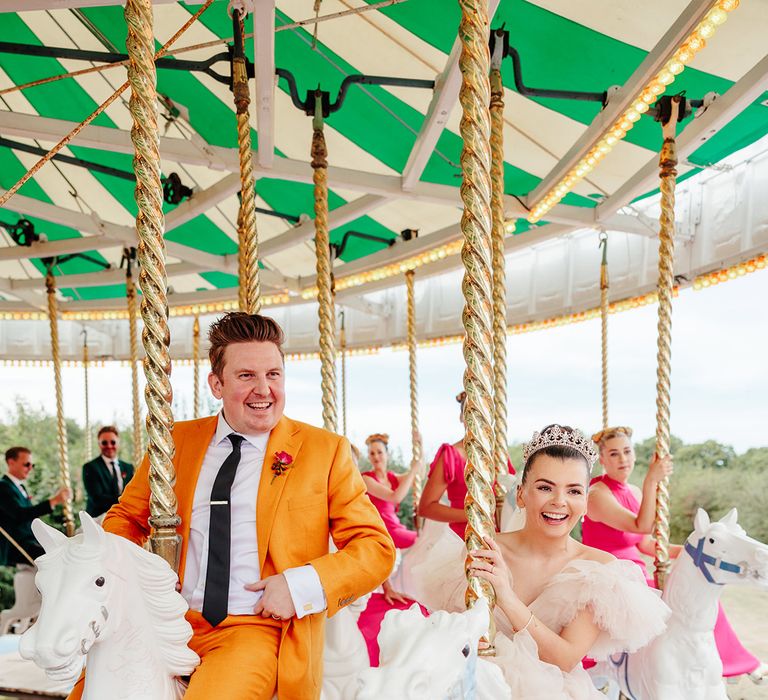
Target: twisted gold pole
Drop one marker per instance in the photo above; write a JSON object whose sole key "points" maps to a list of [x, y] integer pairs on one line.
{"points": [[130, 296], [604, 325], [343, 347], [324, 280], [668, 175], [500, 454], [196, 367], [413, 385], [152, 280], [249, 292], [474, 97], [61, 426], [88, 436]]}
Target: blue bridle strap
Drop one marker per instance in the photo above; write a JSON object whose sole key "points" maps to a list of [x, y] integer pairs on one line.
{"points": [[702, 561]]}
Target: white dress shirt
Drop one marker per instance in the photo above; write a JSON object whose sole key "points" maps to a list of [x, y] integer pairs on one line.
{"points": [[113, 466], [19, 485], [303, 582]]}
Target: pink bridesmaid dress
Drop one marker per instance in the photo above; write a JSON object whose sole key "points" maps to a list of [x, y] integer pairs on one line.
{"points": [[623, 545], [369, 622], [453, 472], [401, 535]]}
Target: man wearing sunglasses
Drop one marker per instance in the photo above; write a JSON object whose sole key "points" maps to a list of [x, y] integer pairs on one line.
{"points": [[105, 477], [17, 510]]}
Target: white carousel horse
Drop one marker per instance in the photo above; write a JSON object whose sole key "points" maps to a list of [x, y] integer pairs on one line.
{"points": [[431, 658], [683, 663], [108, 598]]}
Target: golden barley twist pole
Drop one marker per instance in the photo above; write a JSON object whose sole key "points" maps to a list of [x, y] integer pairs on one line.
{"points": [[604, 325], [152, 280], [248, 256], [130, 296], [413, 385], [500, 454], [474, 97], [668, 175], [196, 367], [61, 426], [324, 281], [343, 348], [88, 436]]}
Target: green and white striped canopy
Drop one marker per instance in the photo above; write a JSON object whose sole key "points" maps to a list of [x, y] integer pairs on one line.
{"points": [[393, 151]]}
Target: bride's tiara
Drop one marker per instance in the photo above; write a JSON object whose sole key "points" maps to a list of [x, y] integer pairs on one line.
{"points": [[558, 436]]}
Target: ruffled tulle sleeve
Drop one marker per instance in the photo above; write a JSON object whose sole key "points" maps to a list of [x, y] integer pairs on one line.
{"points": [[629, 613]]}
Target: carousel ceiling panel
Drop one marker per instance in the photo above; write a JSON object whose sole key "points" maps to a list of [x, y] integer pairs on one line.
{"points": [[588, 45]]}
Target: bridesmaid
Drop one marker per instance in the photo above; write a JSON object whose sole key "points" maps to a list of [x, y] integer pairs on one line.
{"points": [[387, 489], [446, 476], [620, 519]]}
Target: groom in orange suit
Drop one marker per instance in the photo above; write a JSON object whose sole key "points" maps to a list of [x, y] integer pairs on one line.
{"points": [[259, 495]]}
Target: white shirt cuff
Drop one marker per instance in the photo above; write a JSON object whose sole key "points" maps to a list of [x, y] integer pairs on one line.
{"points": [[306, 590]]}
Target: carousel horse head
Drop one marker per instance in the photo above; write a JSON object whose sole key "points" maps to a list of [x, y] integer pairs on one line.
{"points": [[425, 658], [724, 553], [104, 592]]}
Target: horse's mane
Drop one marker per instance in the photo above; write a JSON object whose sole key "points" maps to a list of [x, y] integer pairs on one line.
{"points": [[165, 607]]}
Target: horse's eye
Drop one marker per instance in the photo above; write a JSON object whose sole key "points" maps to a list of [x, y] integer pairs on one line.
{"points": [[711, 540], [99, 581], [465, 651]]}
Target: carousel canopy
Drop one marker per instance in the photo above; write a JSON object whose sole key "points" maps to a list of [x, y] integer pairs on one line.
{"points": [[394, 150]]}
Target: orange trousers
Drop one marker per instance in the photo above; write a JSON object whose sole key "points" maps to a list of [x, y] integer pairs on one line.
{"points": [[238, 659]]}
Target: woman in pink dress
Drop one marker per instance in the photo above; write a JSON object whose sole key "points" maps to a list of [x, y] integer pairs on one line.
{"points": [[386, 491], [620, 519], [446, 476]]}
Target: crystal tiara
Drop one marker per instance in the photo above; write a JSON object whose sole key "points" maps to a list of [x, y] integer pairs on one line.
{"points": [[557, 436]]}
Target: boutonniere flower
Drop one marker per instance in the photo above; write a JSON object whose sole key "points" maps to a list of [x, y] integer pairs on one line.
{"points": [[281, 464]]}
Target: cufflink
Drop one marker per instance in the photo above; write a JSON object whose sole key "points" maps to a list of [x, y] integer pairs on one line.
{"points": [[307, 607]]}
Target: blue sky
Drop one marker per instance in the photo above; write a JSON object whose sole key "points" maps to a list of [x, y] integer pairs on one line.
{"points": [[719, 378]]}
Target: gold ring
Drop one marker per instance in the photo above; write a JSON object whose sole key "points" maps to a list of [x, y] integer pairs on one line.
{"points": [[276, 617]]}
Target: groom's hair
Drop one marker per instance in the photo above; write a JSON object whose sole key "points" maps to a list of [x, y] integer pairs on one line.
{"points": [[240, 327]]}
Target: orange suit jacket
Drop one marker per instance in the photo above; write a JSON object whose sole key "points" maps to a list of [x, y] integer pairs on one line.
{"points": [[322, 494]]}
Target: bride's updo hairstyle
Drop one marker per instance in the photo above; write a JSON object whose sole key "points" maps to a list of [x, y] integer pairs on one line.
{"points": [[600, 438], [560, 442]]}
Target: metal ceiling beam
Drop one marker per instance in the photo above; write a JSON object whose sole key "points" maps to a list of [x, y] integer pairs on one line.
{"points": [[65, 246], [199, 153], [698, 131], [622, 100], [264, 52], [444, 98], [337, 217]]}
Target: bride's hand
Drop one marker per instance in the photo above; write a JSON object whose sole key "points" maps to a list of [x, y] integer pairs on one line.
{"points": [[490, 565]]}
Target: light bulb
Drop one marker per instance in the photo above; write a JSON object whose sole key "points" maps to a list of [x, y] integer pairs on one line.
{"points": [[640, 107], [696, 43], [706, 30], [717, 16], [675, 66], [684, 54], [656, 87], [631, 115], [665, 77], [728, 5]]}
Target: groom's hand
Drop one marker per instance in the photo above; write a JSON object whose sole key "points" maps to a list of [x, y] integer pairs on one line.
{"points": [[276, 601]]}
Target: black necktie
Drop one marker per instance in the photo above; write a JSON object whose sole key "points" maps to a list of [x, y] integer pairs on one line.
{"points": [[115, 477], [216, 598]]}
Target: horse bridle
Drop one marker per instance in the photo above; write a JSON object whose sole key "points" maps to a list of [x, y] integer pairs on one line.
{"points": [[703, 561]]}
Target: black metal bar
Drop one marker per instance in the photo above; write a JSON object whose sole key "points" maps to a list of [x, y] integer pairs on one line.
{"points": [[502, 35], [338, 248], [71, 160], [279, 214], [377, 80], [168, 63], [307, 105]]}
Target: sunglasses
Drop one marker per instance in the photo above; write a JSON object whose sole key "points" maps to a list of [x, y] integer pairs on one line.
{"points": [[31, 465], [104, 443]]}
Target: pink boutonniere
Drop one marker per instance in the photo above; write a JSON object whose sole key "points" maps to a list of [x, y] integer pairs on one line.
{"points": [[281, 464]]}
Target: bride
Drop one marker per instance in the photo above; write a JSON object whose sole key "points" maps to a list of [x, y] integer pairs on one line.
{"points": [[557, 599]]}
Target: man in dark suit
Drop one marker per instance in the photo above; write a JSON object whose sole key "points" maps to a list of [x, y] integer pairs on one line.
{"points": [[106, 476], [17, 510]]}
